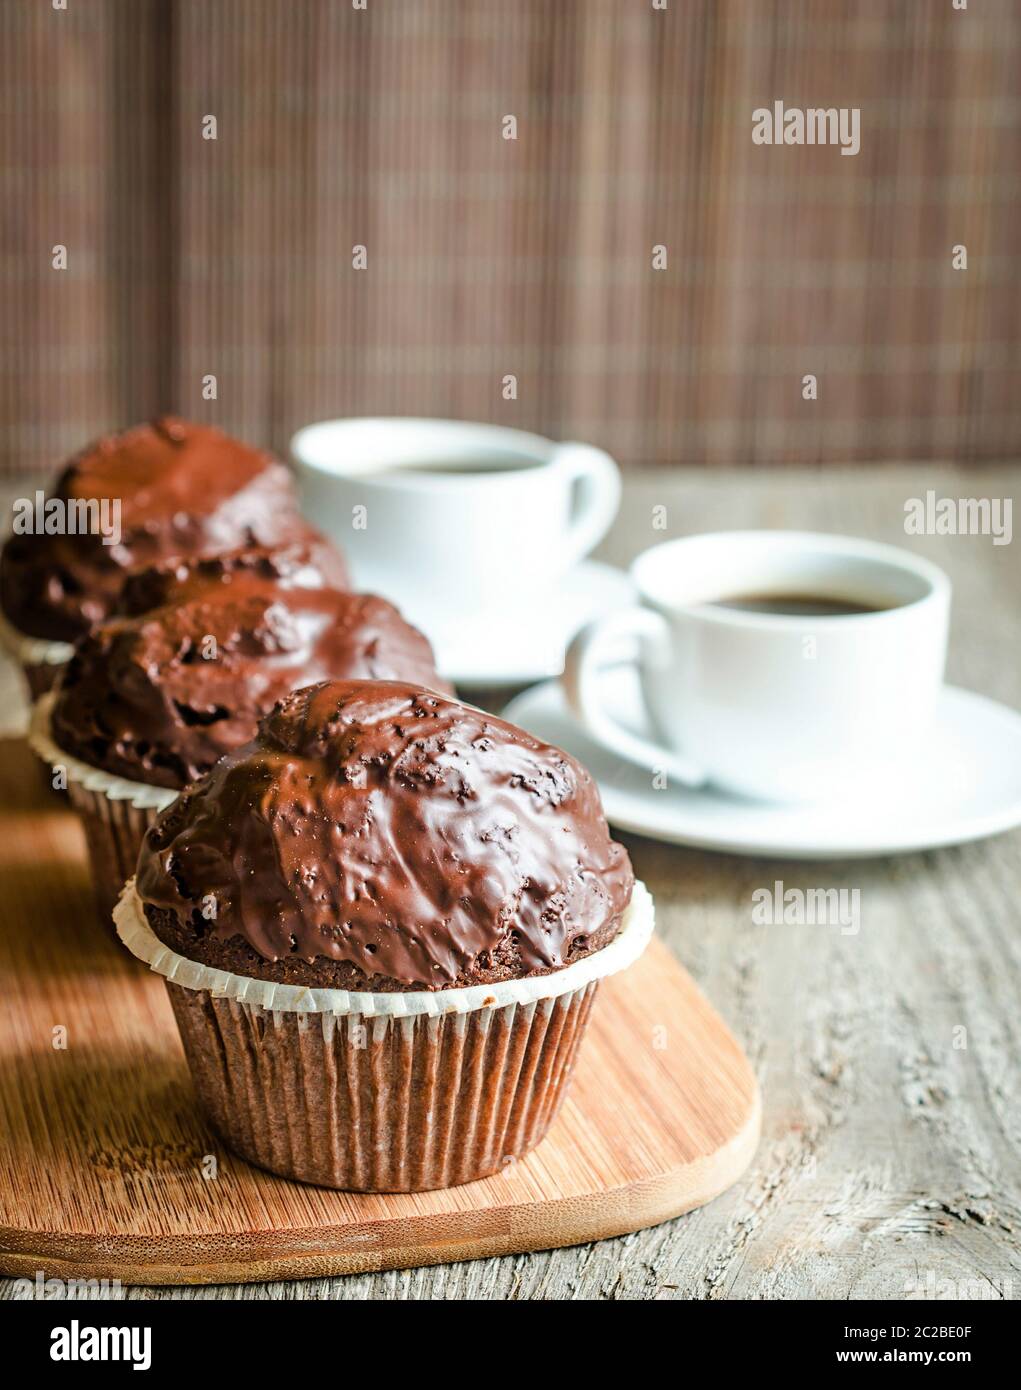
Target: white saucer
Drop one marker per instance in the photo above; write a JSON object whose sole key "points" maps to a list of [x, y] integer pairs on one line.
{"points": [[524, 644], [968, 787]]}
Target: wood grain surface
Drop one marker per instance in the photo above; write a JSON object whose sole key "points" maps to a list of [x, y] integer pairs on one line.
{"points": [[105, 1161], [889, 1161]]}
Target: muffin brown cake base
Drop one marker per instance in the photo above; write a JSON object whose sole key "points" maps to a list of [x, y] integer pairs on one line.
{"points": [[41, 676], [40, 659], [115, 813], [237, 957], [114, 831], [378, 1092], [381, 1104]]}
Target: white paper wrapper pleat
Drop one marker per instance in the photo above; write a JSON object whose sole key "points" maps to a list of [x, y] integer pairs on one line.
{"points": [[386, 1104], [140, 939], [381, 1092], [34, 651], [41, 660], [93, 779], [115, 813]]}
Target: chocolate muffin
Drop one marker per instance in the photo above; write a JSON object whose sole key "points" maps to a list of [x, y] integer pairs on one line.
{"points": [[422, 897], [378, 836], [183, 490], [156, 695]]}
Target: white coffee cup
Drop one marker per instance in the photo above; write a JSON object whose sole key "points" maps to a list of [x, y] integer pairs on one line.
{"points": [[445, 515], [780, 707]]}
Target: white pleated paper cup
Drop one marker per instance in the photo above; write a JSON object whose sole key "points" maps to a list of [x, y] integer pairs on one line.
{"points": [[374, 1092], [115, 812], [41, 659]]}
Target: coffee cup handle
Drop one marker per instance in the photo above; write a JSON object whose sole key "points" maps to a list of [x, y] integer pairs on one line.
{"points": [[595, 480], [608, 642]]}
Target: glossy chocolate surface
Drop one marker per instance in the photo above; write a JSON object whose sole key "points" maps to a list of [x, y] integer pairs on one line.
{"points": [[380, 836]]}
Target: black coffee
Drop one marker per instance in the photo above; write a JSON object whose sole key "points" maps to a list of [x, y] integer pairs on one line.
{"points": [[460, 468], [798, 605]]}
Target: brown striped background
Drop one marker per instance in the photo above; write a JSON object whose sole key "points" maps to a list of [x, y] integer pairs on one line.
{"points": [[382, 126]]}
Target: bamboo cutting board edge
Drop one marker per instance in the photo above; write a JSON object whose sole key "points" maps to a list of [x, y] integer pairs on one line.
{"points": [[427, 1240]]}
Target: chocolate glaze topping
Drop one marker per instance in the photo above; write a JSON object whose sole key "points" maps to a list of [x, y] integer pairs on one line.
{"points": [[158, 694], [184, 489], [310, 562], [380, 836]]}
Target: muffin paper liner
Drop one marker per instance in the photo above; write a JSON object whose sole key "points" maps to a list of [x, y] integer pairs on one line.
{"points": [[629, 943], [41, 678], [34, 651], [115, 813], [40, 658], [114, 831], [381, 1092]]}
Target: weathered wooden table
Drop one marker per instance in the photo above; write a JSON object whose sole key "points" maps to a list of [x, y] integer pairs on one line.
{"points": [[889, 1163]]}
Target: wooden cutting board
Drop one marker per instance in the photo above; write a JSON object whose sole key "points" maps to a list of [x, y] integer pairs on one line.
{"points": [[103, 1153]]}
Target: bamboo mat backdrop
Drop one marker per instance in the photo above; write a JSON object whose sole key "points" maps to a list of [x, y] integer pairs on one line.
{"points": [[489, 257]]}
